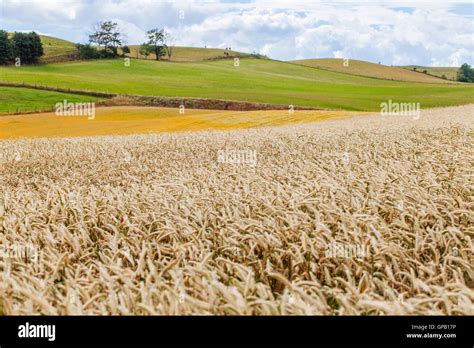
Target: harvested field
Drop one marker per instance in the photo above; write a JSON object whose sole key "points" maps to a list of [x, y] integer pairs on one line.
{"points": [[367, 215], [138, 120]]}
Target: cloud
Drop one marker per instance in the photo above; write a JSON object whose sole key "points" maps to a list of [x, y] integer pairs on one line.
{"points": [[401, 32]]}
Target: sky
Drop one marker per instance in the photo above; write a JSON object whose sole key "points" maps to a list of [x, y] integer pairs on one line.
{"points": [[431, 33]]}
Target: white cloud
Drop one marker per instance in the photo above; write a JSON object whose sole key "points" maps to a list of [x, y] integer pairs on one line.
{"points": [[393, 32]]}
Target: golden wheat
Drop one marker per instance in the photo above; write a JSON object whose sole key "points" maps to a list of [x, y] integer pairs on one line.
{"points": [[368, 215]]}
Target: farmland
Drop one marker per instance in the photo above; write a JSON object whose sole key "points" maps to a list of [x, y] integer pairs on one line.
{"points": [[18, 100], [136, 120], [145, 210], [357, 216], [257, 80], [362, 68]]}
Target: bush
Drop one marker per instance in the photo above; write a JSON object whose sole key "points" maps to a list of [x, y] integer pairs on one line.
{"points": [[87, 51], [104, 54], [145, 50], [466, 73]]}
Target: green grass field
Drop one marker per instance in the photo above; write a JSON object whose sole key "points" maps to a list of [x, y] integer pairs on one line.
{"points": [[15, 100], [257, 80]]}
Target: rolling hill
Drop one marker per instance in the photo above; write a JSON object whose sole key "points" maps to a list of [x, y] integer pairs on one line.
{"points": [[256, 80], [449, 72], [57, 50], [190, 54], [362, 68]]}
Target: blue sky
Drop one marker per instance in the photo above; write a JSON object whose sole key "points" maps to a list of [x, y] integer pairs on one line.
{"points": [[438, 33]]}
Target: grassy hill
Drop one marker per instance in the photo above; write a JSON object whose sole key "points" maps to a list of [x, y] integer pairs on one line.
{"points": [[256, 80], [57, 50], [189, 54], [449, 72], [362, 68]]}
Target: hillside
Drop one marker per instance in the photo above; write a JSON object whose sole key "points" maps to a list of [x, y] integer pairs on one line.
{"points": [[256, 80], [189, 54], [57, 50], [362, 68], [449, 72]]}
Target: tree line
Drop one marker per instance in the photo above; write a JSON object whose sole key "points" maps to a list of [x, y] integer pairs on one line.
{"points": [[106, 40], [20, 48]]}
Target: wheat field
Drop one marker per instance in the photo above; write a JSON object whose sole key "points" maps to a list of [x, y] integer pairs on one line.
{"points": [[367, 215]]}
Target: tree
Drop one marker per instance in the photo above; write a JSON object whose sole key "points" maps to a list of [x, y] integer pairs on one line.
{"points": [[107, 35], [466, 73], [146, 50], [169, 52], [87, 51], [37, 45], [169, 44], [125, 50], [6, 48], [156, 40], [27, 47]]}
